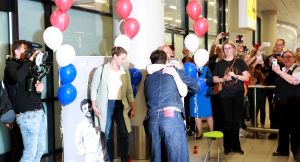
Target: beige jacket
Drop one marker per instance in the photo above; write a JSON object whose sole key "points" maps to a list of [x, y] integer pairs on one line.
{"points": [[99, 92]]}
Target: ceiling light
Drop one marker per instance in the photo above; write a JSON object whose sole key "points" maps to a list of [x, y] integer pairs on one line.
{"points": [[173, 7], [212, 3], [178, 21], [168, 18], [101, 1], [85, 5]]}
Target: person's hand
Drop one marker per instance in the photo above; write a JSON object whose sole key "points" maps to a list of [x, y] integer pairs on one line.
{"points": [[96, 111], [9, 125], [220, 35], [227, 77], [33, 56], [132, 113], [276, 68], [39, 87]]}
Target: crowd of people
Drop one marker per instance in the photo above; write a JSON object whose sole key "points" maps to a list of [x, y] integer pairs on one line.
{"points": [[176, 104]]}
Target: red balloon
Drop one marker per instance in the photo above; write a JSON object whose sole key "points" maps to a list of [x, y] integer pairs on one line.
{"points": [[193, 9], [200, 26], [123, 8], [60, 20], [64, 5], [130, 27]]}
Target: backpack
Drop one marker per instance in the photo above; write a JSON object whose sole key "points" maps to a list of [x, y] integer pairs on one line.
{"points": [[7, 113]]}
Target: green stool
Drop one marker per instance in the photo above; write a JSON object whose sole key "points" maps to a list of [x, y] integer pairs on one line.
{"points": [[210, 136]]}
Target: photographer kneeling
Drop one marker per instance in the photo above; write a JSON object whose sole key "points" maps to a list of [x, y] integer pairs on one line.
{"points": [[24, 91]]}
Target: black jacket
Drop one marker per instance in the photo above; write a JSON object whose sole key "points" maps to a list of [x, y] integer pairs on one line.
{"points": [[17, 76]]}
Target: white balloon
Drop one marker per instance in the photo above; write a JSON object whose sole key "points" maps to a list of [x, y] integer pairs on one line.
{"points": [[53, 37], [65, 55], [191, 42], [201, 57], [123, 41]]}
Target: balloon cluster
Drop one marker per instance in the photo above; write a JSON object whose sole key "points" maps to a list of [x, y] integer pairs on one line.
{"points": [[65, 54], [130, 26], [193, 10], [136, 78], [200, 58]]}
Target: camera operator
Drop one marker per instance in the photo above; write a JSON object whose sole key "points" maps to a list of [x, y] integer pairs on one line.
{"points": [[30, 116]]}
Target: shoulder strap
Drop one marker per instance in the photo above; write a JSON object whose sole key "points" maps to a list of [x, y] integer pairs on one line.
{"points": [[101, 72]]}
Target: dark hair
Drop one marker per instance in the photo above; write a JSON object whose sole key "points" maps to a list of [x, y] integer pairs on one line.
{"points": [[158, 57], [85, 101], [17, 44], [280, 39], [118, 51]]}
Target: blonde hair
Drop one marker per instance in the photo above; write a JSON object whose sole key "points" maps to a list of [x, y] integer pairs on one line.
{"points": [[232, 44]]}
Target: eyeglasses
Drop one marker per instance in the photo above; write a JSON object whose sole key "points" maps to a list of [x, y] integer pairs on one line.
{"points": [[229, 48], [287, 57]]}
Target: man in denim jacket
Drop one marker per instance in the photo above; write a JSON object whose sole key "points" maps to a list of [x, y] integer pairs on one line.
{"points": [[164, 122]]}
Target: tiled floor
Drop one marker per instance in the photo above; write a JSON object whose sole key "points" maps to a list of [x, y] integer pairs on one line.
{"points": [[256, 150]]}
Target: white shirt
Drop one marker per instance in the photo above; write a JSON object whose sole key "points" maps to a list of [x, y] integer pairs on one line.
{"points": [[87, 139], [114, 84]]}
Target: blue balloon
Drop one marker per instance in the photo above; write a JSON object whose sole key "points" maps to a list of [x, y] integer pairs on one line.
{"points": [[135, 76], [190, 69], [134, 90], [201, 82], [67, 74], [66, 94]]}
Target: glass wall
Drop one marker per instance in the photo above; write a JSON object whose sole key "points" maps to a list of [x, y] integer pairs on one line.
{"points": [[96, 5], [4, 50], [89, 33], [174, 14]]}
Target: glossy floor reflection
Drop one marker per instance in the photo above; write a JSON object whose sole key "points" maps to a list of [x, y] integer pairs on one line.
{"points": [[256, 150]]}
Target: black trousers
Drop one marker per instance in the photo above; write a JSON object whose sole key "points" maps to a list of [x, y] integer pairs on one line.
{"points": [[289, 129], [232, 116]]}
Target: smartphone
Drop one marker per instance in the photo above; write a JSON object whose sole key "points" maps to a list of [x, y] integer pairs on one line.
{"points": [[274, 61]]}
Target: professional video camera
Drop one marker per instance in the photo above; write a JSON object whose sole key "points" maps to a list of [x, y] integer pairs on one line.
{"points": [[40, 68]]}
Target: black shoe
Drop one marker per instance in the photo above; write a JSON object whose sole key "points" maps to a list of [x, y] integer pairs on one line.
{"points": [[199, 137], [279, 154], [272, 136], [240, 151], [226, 152]]}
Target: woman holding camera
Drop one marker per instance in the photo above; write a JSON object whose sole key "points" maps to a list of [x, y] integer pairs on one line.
{"points": [[231, 95]]}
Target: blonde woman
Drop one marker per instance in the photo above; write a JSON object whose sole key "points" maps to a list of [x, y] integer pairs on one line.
{"points": [[231, 72], [112, 100]]}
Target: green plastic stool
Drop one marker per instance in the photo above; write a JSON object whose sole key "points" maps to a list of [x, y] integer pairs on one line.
{"points": [[210, 136]]}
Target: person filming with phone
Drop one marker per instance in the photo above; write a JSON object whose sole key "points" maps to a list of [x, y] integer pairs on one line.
{"points": [[288, 91]]}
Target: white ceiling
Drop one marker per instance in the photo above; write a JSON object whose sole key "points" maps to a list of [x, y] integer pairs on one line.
{"points": [[288, 11]]}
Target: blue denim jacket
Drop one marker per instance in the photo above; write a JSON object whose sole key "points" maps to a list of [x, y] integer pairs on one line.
{"points": [[161, 90]]}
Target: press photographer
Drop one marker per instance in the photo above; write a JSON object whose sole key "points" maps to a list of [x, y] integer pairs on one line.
{"points": [[22, 77]]}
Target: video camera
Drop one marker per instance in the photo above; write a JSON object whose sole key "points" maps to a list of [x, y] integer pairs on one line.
{"points": [[40, 68]]}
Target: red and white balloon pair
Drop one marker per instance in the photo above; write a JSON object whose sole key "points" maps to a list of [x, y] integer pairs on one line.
{"points": [[191, 41], [130, 26]]}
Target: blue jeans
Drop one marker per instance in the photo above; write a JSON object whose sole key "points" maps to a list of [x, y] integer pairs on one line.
{"points": [[33, 126], [115, 113], [167, 137]]}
